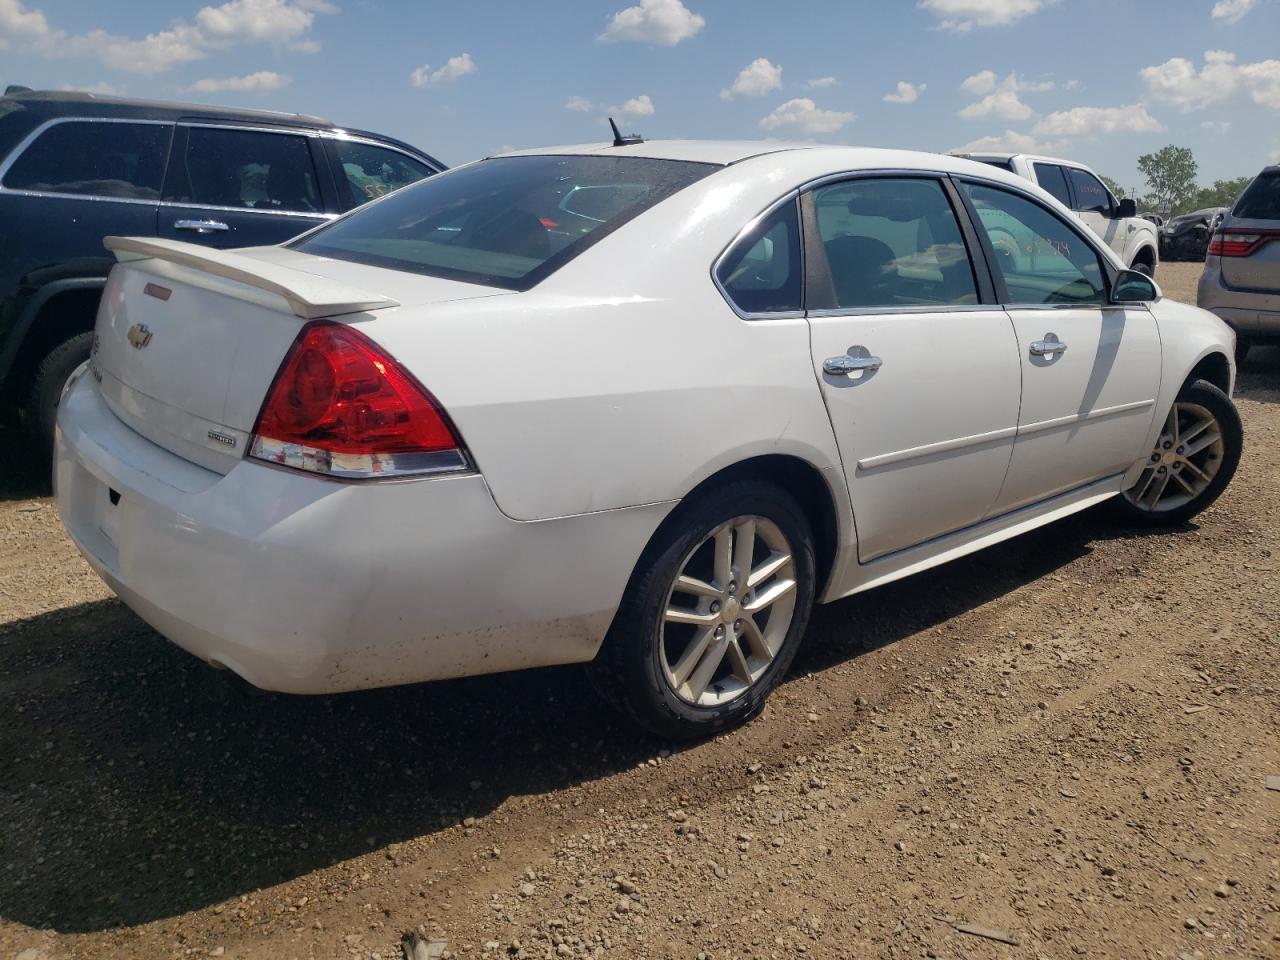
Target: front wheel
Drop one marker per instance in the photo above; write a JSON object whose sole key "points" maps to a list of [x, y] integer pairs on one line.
{"points": [[1193, 460], [40, 409], [1144, 268], [713, 614]]}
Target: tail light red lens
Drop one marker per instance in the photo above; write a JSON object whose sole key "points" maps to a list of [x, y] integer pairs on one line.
{"points": [[340, 405], [1227, 243]]}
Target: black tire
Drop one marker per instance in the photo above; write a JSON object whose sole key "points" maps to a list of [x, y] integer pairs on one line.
{"points": [[1243, 344], [1219, 405], [1144, 268], [629, 670], [40, 410]]}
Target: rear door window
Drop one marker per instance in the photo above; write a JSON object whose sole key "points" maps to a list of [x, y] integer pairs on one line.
{"points": [[1261, 199], [366, 172], [1052, 179], [244, 169], [100, 159], [761, 273], [891, 243], [506, 222]]}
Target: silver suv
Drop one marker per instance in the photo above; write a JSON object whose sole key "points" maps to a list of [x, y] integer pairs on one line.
{"points": [[1241, 278]]}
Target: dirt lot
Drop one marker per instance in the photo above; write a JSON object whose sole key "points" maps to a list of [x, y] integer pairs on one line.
{"points": [[1063, 740]]}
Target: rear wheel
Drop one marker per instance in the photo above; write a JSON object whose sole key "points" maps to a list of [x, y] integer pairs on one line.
{"points": [[713, 615], [1193, 460], [40, 409]]}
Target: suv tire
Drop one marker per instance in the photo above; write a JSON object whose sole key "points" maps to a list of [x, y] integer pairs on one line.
{"points": [[40, 409]]}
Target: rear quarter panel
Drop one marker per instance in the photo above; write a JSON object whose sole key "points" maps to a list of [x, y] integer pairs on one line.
{"points": [[624, 378]]}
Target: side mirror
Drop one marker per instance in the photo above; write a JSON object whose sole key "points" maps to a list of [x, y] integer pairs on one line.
{"points": [[1134, 287], [1128, 207]]}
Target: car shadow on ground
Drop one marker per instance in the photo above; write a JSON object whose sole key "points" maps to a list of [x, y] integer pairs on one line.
{"points": [[1258, 378], [23, 473], [136, 783]]}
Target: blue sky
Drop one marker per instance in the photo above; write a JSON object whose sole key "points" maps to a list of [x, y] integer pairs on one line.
{"points": [[1101, 81]]}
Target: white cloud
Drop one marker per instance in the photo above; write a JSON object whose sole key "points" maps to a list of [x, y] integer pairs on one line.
{"points": [[963, 15], [1003, 104], [1093, 121], [803, 116], [579, 105], [263, 81], [755, 80], [664, 22], [1177, 81], [640, 106], [1216, 126], [905, 92], [819, 82], [454, 67], [281, 23], [1232, 11], [1008, 142], [1000, 96]]}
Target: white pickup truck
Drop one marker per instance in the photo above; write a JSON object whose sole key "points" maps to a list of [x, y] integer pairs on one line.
{"points": [[1134, 239]]}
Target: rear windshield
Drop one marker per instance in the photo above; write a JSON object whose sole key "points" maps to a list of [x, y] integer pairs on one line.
{"points": [[992, 162], [507, 222], [1261, 200]]}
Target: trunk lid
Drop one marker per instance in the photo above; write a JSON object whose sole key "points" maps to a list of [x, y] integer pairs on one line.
{"points": [[188, 339]]}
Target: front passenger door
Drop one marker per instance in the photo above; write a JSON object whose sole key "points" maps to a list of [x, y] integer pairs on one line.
{"points": [[1090, 369], [919, 372], [1096, 207]]}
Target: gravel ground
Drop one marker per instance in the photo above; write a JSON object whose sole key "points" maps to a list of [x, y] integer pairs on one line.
{"points": [[1061, 742]]}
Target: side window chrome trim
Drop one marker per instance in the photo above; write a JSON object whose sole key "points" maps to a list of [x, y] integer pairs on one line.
{"points": [[791, 197], [35, 134], [322, 215], [923, 308]]}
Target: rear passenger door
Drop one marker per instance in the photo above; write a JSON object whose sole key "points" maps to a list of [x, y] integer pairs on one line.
{"points": [[238, 187], [1090, 369], [919, 368]]}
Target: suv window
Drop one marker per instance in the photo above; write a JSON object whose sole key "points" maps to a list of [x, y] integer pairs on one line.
{"points": [[1051, 177], [889, 243], [370, 172], [244, 168], [761, 273], [502, 222], [1040, 258], [1090, 193], [1261, 199], [101, 159]]}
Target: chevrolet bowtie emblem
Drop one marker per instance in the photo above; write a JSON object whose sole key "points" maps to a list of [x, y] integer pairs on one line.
{"points": [[139, 336]]}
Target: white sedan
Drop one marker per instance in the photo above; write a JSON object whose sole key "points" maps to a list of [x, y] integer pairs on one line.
{"points": [[637, 404]]}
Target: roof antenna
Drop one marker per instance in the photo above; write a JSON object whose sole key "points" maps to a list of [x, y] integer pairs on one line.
{"points": [[620, 141]]}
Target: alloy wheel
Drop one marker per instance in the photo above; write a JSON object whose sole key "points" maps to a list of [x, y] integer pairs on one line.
{"points": [[728, 611], [1187, 456]]}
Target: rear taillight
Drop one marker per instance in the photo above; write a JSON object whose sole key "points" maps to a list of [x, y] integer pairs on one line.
{"points": [[341, 406], [1231, 243]]}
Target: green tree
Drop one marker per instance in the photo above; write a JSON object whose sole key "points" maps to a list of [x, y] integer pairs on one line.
{"points": [[1116, 190], [1171, 179], [1223, 193]]}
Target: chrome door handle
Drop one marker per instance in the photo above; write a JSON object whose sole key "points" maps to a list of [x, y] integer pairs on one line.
{"points": [[845, 364], [1047, 347], [200, 226]]}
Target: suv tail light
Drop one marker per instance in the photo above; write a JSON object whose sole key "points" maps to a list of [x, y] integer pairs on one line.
{"points": [[341, 406], [1238, 243]]}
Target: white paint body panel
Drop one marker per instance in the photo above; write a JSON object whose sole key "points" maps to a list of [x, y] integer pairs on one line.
{"points": [[591, 404], [914, 477]]}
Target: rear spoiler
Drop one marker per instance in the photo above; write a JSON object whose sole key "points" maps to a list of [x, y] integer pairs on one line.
{"points": [[309, 297]]}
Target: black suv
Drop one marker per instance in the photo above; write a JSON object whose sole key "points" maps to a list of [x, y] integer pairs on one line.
{"points": [[76, 167]]}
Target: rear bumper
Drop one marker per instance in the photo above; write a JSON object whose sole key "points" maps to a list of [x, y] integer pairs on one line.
{"points": [[306, 585], [1246, 311]]}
